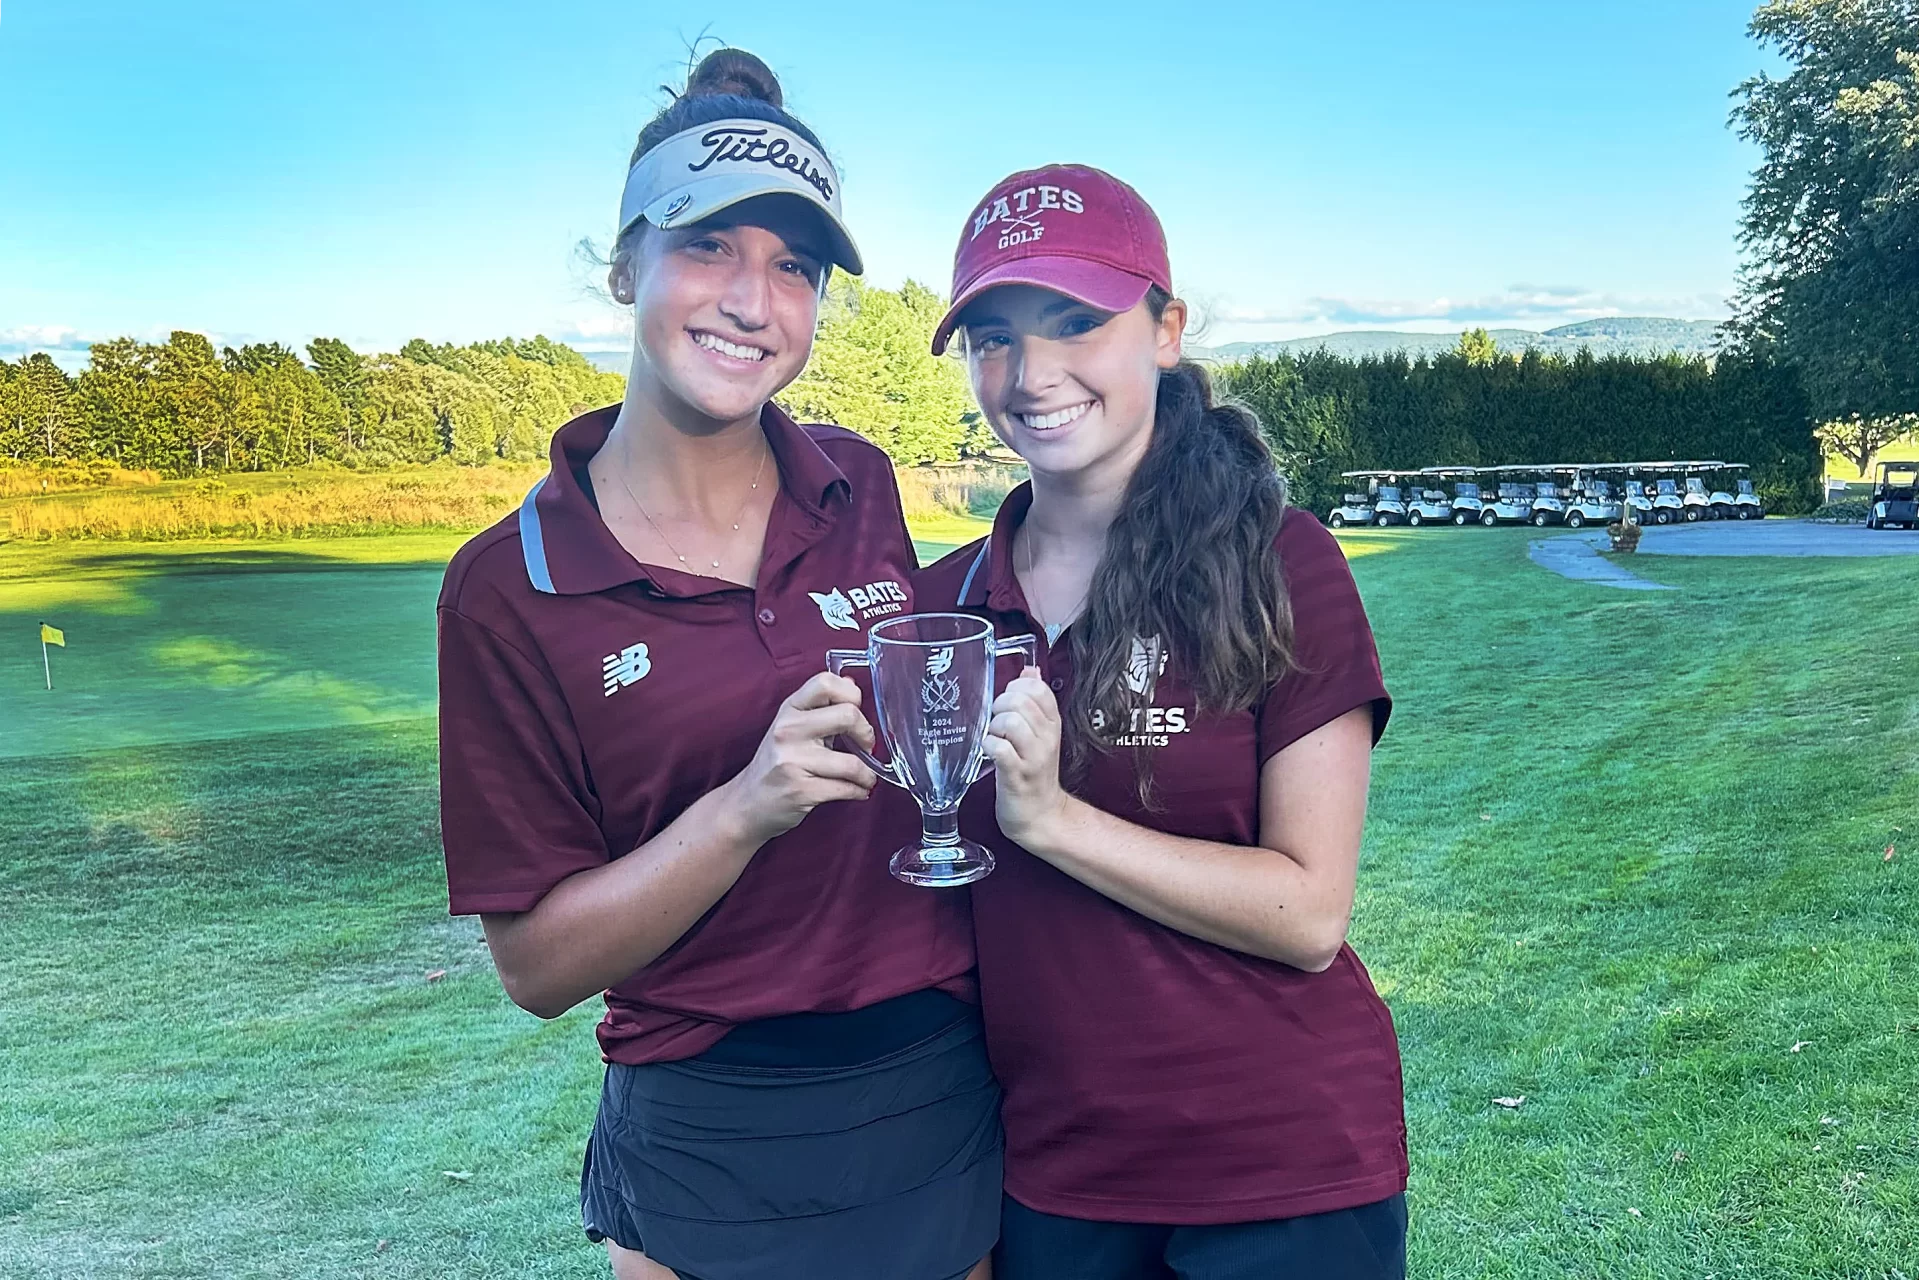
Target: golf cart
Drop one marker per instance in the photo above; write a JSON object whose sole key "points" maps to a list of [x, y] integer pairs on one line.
{"points": [[1895, 496], [1637, 495], [1549, 507], [1382, 503], [1511, 504], [1699, 503], [1724, 505], [1466, 503], [1353, 508], [1668, 506], [1425, 505], [1588, 498], [1401, 497], [1733, 498]]}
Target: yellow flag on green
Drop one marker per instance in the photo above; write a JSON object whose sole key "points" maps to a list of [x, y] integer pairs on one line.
{"points": [[52, 635]]}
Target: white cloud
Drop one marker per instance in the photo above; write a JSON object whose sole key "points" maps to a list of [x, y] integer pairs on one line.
{"points": [[1521, 305], [42, 337], [607, 328], [69, 346]]}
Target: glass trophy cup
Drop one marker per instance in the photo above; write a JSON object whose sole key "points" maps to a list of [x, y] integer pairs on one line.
{"points": [[932, 699]]}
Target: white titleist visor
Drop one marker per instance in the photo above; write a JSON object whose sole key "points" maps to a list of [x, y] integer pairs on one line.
{"points": [[696, 173]]}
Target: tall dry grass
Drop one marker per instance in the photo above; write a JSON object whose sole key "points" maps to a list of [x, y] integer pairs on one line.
{"points": [[139, 507], [967, 489], [439, 497], [24, 481]]}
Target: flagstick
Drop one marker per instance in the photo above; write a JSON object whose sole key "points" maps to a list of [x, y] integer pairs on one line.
{"points": [[48, 664]]}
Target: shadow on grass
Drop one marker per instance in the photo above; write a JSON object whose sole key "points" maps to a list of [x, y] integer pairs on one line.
{"points": [[211, 641]]}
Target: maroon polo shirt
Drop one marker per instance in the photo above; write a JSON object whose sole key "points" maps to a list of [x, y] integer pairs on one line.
{"points": [[587, 699], [1151, 1076]]}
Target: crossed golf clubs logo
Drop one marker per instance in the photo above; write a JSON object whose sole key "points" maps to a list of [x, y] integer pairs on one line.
{"points": [[1029, 221], [938, 692]]}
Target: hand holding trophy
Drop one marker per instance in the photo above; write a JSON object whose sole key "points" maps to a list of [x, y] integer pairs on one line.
{"points": [[933, 697]]}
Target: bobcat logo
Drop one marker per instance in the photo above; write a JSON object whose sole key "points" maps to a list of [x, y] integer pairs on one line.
{"points": [[836, 609], [1146, 666], [937, 691], [1147, 726]]}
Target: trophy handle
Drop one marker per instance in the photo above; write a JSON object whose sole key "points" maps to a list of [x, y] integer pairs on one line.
{"points": [[1025, 644], [837, 660]]}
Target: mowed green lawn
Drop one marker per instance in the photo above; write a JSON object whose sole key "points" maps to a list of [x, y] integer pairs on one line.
{"points": [[1626, 861]]}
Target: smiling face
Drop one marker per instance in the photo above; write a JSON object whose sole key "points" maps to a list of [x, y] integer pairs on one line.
{"points": [[1068, 387], [724, 309]]}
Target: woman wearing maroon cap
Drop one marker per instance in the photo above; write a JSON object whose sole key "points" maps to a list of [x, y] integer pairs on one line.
{"points": [[639, 791], [1200, 1079]]}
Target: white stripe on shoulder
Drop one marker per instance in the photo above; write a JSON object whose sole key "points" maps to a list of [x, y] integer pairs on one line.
{"points": [[966, 587], [533, 542]]}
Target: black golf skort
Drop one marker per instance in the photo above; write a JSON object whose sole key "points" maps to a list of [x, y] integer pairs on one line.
{"points": [[722, 1168]]}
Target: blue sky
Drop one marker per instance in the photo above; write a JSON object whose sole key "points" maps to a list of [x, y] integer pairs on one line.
{"points": [[377, 171]]}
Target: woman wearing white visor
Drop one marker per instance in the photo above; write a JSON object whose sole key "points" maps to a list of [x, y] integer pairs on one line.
{"points": [[641, 794]]}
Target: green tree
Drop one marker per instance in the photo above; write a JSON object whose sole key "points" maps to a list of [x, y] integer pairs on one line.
{"points": [[1310, 430], [186, 380], [1476, 346], [113, 398], [40, 424], [1832, 220], [536, 385], [1326, 414], [871, 371], [1859, 439], [177, 408], [12, 428], [240, 416], [396, 421], [344, 373]]}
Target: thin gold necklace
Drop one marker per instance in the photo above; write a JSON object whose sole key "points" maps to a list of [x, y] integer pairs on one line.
{"points": [[1053, 629], [737, 516]]}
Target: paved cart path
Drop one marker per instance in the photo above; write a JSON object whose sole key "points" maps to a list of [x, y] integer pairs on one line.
{"points": [[1776, 537], [1576, 556]]}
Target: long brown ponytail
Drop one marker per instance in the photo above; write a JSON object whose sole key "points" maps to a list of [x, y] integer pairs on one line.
{"points": [[1190, 560]]}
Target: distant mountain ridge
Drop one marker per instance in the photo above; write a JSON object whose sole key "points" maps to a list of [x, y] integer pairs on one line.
{"points": [[1622, 335]]}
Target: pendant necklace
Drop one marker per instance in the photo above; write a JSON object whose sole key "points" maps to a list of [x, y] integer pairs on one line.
{"points": [[1052, 629], [737, 516]]}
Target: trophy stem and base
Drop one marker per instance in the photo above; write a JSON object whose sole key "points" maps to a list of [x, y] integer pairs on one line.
{"points": [[933, 679], [940, 859]]}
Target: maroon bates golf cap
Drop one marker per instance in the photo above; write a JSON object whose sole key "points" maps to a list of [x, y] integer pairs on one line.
{"points": [[1069, 228]]}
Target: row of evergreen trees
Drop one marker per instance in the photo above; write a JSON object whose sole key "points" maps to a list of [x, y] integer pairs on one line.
{"points": [[181, 408], [1326, 414]]}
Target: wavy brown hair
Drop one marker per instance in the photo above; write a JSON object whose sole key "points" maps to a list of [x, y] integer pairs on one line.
{"points": [[1192, 560]]}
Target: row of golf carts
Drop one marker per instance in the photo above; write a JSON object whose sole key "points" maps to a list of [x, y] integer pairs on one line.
{"points": [[1572, 494]]}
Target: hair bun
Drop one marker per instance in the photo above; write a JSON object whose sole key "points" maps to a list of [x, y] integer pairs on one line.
{"points": [[735, 72]]}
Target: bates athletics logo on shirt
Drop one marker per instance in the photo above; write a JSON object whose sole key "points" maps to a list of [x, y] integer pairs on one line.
{"points": [[849, 610], [1151, 726]]}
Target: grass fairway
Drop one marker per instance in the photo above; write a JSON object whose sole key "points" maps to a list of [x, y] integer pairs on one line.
{"points": [[1626, 859], [177, 641]]}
